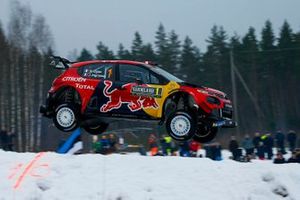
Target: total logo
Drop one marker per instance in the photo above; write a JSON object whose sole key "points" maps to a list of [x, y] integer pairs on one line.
{"points": [[84, 87], [117, 97]]}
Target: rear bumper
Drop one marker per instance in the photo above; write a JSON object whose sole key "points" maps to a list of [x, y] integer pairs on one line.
{"points": [[46, 109]]}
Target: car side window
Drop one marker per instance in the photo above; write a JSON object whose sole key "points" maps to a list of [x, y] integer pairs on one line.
{"points": [[154, 79], [97, 71], [130, 73]]}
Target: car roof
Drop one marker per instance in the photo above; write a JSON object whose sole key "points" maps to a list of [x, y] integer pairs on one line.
{"points": [[80, 64]]}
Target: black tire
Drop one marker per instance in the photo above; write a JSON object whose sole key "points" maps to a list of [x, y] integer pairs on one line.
{"points": [[205, 133], [66, 117], [96, 130], [181, 120]]}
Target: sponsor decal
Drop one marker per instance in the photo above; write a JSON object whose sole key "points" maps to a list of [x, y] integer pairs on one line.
{"points": [[218, 123], [75, 79], [117, 97], [84, 87], [146, 91]]}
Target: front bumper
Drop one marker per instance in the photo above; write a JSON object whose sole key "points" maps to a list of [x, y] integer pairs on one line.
{"points": [[225, 123], [223, 117]]}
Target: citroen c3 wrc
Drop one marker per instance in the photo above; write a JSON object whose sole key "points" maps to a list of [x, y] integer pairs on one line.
{"points": [[92, 94]]}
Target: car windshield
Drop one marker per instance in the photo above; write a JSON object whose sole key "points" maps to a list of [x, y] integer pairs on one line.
{"points": [[166, 74]]}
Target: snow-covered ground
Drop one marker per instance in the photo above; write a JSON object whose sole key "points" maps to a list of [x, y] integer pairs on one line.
{"points": [[50, 176]]}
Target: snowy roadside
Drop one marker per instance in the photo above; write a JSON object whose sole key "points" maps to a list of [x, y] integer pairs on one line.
{"points": [[48, 176]]}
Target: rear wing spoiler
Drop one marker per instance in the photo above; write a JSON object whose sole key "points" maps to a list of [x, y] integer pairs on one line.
{"points": [[59, 63]]}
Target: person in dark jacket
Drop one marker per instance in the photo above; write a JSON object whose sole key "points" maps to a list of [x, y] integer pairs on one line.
{"points": [[260, 151], [10, 142], [292, 139], [233, 148], [279, 159], [216, 151], [184, 149], [268, 144], [104, 144], [280, 138], [256, 140], [112, 141], [6, 139]]}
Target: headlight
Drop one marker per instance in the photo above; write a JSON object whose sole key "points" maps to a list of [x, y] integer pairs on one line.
{"points": [[213, 100]]}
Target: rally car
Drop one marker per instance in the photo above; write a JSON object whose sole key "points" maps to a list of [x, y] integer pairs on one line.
{"points": [[93, 94]]}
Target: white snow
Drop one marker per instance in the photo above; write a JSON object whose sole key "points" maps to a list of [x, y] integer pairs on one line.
{"points": [[51, 176]]}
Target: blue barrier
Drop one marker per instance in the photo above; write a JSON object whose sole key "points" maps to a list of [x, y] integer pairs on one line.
{"points": [[67, 145]]}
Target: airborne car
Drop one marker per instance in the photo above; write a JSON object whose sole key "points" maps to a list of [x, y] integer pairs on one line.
{"points": [[93, 94]]}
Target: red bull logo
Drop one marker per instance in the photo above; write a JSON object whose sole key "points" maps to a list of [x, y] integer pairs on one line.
{"points": [[118, 97]]}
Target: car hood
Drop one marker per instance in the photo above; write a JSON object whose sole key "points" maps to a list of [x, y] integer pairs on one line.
{"points": [[211, 91], [215, 92]]}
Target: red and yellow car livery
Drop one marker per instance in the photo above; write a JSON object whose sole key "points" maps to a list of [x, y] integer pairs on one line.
{"points": [[91, 94]]}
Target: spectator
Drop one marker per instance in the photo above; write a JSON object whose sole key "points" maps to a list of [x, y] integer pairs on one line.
{"points": [[104, 144], [213, 151], [256, 140], [297, 154], [260, 151], [268, 145], [174, 148], [194, 147], [279, 159], [121, 142], [184, 149], [247, 144], [292, 138], [279, 138], [10, 142], [168, 140], [163, 144], [142, 150], [217, 151], [293, 158], [112, 142], [152, 141], [96, 145], [4, 139], [234, 148]]}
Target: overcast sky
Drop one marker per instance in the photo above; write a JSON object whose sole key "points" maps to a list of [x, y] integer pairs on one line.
{"points": [[77, 23]]}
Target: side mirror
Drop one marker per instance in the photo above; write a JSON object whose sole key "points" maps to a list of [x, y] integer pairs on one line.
{"points": [[138, 81]]}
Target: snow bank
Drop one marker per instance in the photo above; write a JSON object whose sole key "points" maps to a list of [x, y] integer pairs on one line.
{"points": [[48, 176]]}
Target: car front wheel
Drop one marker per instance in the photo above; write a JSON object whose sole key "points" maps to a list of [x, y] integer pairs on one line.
{"points": [[180, 126], [205, 133], [66, 118]]}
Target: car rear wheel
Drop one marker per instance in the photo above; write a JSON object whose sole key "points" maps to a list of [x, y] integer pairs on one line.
{"points": [[66, 117], [96, 130], [180, 126]]}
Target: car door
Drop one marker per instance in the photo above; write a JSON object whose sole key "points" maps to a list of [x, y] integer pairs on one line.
{"points": [[139, 91], [95, 74]]}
